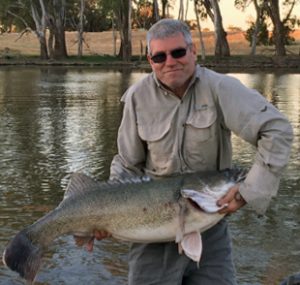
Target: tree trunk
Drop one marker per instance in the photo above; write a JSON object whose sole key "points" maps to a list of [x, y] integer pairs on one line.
{"points": [[124, 22], [56, 23], [155, 11], [256, 28], [40, 24], [221, 44], [114, 36], [51, 44], [186, 10], [181, 10], [278, 31], [43, 46], [164, 4], [60, 50], [80, 28], [199, 31]]}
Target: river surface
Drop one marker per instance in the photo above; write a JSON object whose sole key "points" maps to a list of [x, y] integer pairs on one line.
{"points": [[54, 121]]}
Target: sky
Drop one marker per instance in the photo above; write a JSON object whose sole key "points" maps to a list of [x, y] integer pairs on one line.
{"points": [[231, 15]]}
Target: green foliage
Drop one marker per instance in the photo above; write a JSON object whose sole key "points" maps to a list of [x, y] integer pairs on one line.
{"points": [[96, 17], [142, 14], [265, 38], [288, 39], [262, 34], [15, 14]]}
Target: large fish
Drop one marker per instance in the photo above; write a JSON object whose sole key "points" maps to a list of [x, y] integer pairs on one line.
{"points": [[176, 209]]}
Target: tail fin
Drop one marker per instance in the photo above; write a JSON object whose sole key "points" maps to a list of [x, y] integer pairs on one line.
{"points": [[22, 256]]}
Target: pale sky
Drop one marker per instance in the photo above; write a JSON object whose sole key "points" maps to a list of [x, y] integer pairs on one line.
{"points": [[231, 16]]}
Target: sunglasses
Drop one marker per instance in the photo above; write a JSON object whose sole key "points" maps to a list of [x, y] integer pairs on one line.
{"points": [[175, 53]]}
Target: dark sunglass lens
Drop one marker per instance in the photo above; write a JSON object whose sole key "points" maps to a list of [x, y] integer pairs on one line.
{"points": [[177, 53], [159, 58]]}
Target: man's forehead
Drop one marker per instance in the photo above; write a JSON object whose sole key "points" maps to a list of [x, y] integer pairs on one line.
{"points": [[166, 42]]}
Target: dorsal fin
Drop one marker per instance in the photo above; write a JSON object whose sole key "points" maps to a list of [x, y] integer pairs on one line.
{"points": [[79, 183]]}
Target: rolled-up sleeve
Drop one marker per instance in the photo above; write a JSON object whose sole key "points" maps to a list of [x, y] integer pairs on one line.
{"points": [[131, 152], [250, 116]]}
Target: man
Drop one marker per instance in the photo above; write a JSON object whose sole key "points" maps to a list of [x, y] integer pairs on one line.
{"points": [[178, 119]]}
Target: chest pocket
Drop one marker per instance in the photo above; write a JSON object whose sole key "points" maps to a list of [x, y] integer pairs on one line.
{"points": [[160, 145], [154, 132], [200, 140], [200, 123]]}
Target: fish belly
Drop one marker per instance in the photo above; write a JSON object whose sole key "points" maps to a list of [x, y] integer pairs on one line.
{"points": [[149, 234]]}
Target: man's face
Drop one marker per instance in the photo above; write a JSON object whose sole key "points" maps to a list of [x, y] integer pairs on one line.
{"points": [[175, 73]]}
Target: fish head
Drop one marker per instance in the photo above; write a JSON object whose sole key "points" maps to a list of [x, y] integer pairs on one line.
{"points": [[204, 191]]}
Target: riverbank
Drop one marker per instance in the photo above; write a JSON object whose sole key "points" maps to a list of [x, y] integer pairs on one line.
{"points": [[235, 62], [98, 50]]}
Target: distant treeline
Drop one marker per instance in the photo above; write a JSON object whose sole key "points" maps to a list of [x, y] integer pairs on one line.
{"points": [[49, 19]]}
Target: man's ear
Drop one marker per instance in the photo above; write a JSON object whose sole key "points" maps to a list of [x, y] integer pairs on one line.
{"points": [[149, 58], [194, 50]]}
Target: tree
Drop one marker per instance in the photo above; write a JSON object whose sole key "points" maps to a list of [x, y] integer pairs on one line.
{"points": [[281, 28], [80, 28], [43, 14], [56, 19], [164, 4], [212, 9], [221, 43], [257, 33], [257, 36], [272, 7], [181, 10], [144, 14], [155, 12], [28, 15], [41, 25], [199, 29], [123, 13]]}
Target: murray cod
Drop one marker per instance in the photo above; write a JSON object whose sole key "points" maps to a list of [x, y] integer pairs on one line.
{"points": [[176, 208]]}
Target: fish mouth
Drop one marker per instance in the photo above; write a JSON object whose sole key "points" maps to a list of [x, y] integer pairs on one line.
{"points": [[195, 205]]}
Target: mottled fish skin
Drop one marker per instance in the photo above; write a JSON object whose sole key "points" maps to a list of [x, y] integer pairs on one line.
{"points": [[134, 211]]}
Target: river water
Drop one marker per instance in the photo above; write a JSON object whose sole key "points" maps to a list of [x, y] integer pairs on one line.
{"points": [[55, 120]]}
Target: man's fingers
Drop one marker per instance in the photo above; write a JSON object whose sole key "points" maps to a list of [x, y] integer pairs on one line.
{"points": [[229, 196], [232, 207], [101, 234], [80, 241], [233, 204], [88, 241], [90, 245]]}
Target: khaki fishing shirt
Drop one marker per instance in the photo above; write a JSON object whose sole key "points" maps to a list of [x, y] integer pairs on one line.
{"points": [[161, 134]]}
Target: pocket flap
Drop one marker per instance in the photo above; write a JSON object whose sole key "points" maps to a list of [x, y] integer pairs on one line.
{"points": [[202, 117], [153, 132]]}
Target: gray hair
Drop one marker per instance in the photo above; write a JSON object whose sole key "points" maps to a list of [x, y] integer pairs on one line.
{"points": [[166, 28]]}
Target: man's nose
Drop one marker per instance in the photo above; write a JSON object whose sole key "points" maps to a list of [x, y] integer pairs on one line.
{"points": [[170, 60]]}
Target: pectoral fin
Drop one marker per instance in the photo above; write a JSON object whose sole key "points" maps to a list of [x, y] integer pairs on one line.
{"points": [[192, 246]]}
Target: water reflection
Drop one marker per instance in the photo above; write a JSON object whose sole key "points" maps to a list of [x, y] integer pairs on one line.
{"points": [[54, 121]]}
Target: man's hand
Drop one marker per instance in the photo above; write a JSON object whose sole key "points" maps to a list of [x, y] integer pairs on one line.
{"points": [[234, 200], [89, 241]]}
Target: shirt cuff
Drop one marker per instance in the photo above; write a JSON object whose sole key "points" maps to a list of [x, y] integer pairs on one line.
{"points": [[259, 187]]}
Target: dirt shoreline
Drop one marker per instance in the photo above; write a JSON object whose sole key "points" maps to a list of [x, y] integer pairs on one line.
{"points": [[98, 52], [291, 63]]}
